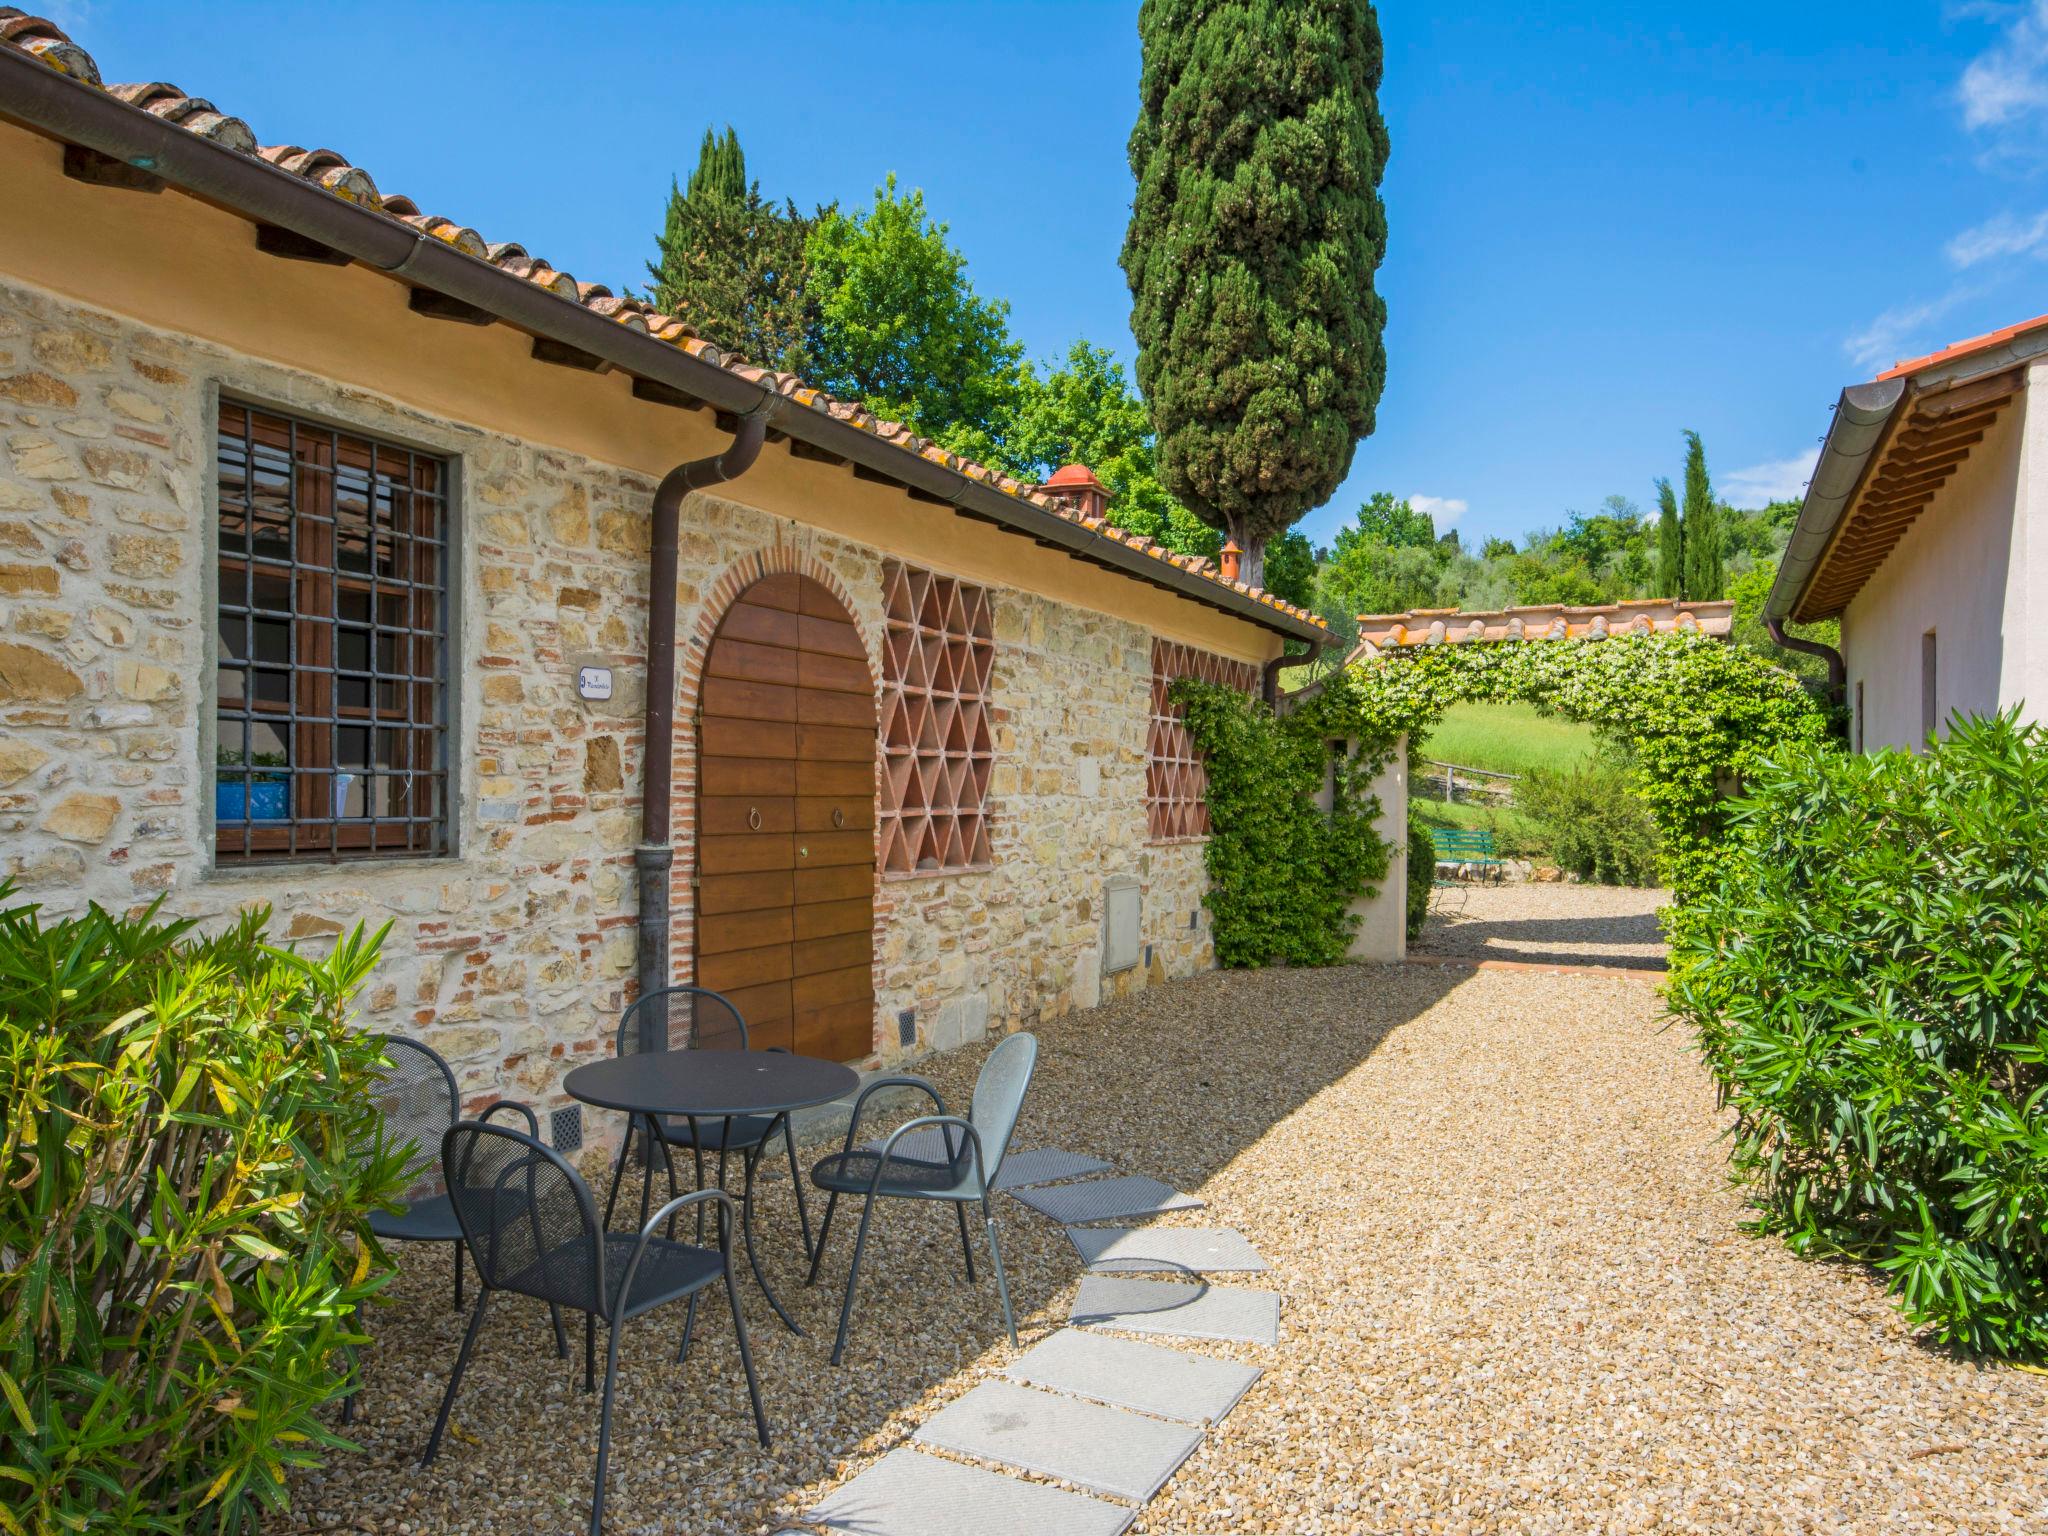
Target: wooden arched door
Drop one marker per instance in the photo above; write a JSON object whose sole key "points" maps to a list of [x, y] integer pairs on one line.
{"points": [[785, 894]]}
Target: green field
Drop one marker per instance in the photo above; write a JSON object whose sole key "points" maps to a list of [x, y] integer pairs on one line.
{"points": [[1508, 738]]}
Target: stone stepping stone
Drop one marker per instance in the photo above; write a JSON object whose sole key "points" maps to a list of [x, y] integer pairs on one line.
{"points": [[1170, 1307], [1171, 1383], [1042, 1165], [1187, 1250], [1105, 1199], [1122, 1454], [908, 1493]]}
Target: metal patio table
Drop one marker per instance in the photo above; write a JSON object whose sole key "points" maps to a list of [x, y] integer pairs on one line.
{"points": [[716, 1085]]}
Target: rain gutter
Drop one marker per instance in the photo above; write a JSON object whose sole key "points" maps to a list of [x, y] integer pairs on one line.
{"points": [[62, 107]]}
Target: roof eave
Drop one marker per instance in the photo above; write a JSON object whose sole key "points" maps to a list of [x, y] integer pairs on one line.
{"points": [[1862, 417], [72, 111]]}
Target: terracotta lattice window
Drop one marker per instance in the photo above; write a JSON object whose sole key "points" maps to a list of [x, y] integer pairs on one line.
{"points": [[330, 692], [937, 654], [1176, 784]]}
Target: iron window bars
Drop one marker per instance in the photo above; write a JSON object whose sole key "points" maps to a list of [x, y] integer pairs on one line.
{"points": [[331, 688], [1176, 783], [938, 651]]}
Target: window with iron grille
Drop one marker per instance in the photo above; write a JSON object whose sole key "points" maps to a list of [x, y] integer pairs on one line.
{"points": [[937, 653], [331, 689], [1176, 783]]}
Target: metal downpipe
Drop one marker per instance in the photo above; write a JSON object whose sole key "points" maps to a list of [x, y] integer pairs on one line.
{"points": [[655, 856], [1838, 669]]}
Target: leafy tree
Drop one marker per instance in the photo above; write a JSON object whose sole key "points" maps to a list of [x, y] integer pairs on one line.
{"points": [[1392, 521], [732, 264], [1291, 569], [1670, 543], [1366, 576], [1749, 591], [898, 325], [1705, 577], [1497, 549], [1084, 411], [1254, 236], [1537, 580]]}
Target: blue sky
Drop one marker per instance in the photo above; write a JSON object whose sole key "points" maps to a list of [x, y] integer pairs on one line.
{"points": [[1608, 223]]}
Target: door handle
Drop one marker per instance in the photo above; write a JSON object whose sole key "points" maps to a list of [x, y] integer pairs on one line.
{"points": [[803, 853]]}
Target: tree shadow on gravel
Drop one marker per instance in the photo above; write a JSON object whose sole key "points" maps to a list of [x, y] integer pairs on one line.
{"points": [[1174, 1082], [1464, 938]]}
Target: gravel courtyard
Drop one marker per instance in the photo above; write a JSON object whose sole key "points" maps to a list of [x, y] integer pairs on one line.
{"points": [[1515, 1300]]}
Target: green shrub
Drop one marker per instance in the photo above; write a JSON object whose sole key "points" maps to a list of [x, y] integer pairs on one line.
{"points": [[182, 1201], [1593, 825], [1421, 877], [1866, 980]]}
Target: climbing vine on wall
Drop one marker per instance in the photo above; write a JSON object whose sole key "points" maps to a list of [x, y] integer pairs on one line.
{"points": [[1696, 714], [1282, 872]]}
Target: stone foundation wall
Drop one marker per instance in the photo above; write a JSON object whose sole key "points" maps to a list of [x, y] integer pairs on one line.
{"points": [[513, 956]]}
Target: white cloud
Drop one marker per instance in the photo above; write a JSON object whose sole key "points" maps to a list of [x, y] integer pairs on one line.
{"points": [[1885, 340], [1778, 480], [2005, 235], [2008, 82], [1442, 510]]}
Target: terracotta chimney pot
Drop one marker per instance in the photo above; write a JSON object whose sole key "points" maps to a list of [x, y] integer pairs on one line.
{"points": [[1229, 557], [1075, 487]]}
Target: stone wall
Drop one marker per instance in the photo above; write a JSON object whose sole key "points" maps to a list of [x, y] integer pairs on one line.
{"points": [[513, 956]]}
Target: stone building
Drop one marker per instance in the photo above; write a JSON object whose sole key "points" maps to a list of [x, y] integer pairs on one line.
{"points": [[327, 538]]}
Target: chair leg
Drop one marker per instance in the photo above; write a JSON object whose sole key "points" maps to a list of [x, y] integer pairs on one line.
{"points": [[669, 1162], [618, 1172], [476, 1321], [590, 1351], [561, 1338], [689, 1326], [966, 1248], [995, 1250], [355, 1362], [697, 1152], [604, 1426], [824, 1231], [853, 1278], [458, 1275], [796, 1179], [739, 1328]]}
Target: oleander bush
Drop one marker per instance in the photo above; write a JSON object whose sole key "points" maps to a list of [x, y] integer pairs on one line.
{"points": [[1868, 981], [1594, 825], [189, 1157], [1421, 877]]}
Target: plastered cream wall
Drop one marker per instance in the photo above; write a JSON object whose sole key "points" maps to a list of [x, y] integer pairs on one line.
{"points": [[512, 956], [1963, 571]]}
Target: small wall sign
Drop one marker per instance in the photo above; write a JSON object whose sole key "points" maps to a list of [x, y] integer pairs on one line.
{"points": [[594, 682]]}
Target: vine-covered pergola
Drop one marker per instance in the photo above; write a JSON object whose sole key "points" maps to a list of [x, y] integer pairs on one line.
{"points": [[1696, 713]]}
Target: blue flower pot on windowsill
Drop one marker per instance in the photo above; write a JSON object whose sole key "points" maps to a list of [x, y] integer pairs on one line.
{"points": [[258, 800]]}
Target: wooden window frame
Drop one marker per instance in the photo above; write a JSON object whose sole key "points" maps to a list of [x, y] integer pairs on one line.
{"points": [[309, 491], [1176, 781]]}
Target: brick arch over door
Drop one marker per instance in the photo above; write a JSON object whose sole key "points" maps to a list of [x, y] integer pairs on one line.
{"points": [[776, 818]]}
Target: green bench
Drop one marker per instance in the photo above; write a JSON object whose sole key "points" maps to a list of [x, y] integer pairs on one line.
{"points": [[1467, 847]]}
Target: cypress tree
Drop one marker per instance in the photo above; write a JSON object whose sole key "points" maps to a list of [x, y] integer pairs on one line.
{"points": [[732, 264], [1255, 232], [1704, 579], [1670, 543]]}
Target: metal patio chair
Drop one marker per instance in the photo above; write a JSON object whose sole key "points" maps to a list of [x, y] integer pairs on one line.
{"points": [[968, 1174], [418, 1100], [708, 1021], [532, 1229]]}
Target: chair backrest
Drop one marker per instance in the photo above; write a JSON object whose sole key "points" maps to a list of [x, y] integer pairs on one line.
{"points": [[681, 1019], [526, 1217], [999, 1095], [416, 1095], [1462, 842]]}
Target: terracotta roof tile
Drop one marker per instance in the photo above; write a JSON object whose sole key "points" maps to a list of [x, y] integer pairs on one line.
{"points": [[1543, 621], [44, 40], [1956, 349]]}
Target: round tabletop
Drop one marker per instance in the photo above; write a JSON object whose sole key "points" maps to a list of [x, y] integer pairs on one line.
{"points": [[710, 1084]]}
